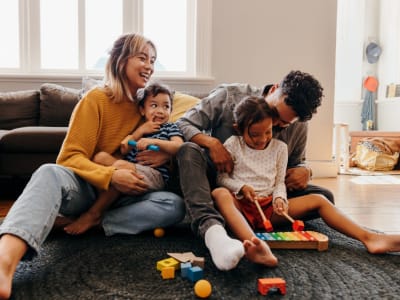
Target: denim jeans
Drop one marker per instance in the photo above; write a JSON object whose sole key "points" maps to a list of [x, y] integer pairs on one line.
{"points": [[54, 190], [194, 165]]}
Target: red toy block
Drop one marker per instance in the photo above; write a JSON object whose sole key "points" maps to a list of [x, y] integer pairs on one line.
{"points": [[265, 284]]}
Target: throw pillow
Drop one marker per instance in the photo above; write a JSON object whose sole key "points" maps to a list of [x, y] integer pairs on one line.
{"points": [[56, 104], [88, 83], [19, 109], [180, 104]]}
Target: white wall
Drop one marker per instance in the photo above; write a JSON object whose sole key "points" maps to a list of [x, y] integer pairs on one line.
{"points": [[361, 22], [258, 42], [261, 42]]}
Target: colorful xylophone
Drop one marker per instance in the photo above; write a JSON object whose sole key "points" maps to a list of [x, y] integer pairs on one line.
{"points": [[295, 240]]}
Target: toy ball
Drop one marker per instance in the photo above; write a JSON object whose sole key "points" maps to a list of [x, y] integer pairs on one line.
{"points": [[159, 232], [202, 288]]}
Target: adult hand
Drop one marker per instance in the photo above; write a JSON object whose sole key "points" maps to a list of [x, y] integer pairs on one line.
{"points": [[297, 178], [221, 157], [128, 182], [152, 158]]}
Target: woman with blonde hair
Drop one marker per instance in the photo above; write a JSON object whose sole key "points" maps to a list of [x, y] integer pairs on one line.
{"points": [[99, 122]]}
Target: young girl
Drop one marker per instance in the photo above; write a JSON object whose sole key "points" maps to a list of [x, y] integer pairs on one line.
{"points": [[155, 105], [260, 165]]}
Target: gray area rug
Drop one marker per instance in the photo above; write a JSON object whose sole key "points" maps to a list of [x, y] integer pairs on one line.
{"points": [[93, 266]]}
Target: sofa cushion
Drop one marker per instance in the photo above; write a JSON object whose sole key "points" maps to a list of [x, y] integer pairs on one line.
{"points": [[19, 109], [56, 104], [180, 104]]}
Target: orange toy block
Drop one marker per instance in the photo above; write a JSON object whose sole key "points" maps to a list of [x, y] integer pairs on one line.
{"points": [[265, 284], [168, 273]]}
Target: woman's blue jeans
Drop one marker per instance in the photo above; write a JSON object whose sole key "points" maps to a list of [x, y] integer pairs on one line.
{"points": [[54, 190]]}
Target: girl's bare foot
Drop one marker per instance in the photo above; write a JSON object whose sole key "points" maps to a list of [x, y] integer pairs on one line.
{"points": [[378, 243], [259, 252], [83, 223]]}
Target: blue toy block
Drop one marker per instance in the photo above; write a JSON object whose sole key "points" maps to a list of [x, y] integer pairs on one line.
{"points": [[185, 269], [195, 273]]}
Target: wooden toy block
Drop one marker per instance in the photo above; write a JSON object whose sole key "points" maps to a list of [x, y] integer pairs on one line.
{"points": [[185, 269], [265, 284], [188, 257], [168, 273], [167, 262], [195, 273], [198, 261], [295, 240]]}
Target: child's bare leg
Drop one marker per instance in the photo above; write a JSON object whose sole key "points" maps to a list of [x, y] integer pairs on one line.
{"points": [[12, 249], [94, 215], [333, 217], [256, 250]]}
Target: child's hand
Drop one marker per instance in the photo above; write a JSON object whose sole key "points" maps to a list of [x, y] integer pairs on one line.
{"points": [[149, 127], [280, 205], [143, 143], [248, 193]]}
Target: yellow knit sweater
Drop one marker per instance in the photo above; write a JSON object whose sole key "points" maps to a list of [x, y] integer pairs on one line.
{"points": [[96, 124]]}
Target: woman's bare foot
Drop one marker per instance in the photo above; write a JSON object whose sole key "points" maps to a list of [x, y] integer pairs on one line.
{"points": [[378, 243], [12, 249], [86, 221], [259, 252], [6, 276]]}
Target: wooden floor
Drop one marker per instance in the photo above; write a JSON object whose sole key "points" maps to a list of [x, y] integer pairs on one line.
{"points": [[372, 201]]}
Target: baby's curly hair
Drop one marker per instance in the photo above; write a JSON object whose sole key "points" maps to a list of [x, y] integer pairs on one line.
{"points": [[303, 93]]}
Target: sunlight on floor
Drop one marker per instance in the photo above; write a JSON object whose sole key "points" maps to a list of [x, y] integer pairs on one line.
{"points": [[376, 180]]}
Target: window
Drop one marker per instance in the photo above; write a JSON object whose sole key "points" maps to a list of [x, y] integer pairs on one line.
{"points": [[74, 36], [9, 28]]}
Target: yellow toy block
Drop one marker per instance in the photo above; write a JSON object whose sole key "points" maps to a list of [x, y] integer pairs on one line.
{"points": [[168, 272], [168, 262]]}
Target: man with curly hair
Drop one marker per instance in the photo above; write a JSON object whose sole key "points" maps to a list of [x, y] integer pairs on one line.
{"points": [[207, 126]]}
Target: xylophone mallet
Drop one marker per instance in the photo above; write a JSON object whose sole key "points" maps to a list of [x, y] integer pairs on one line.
{"points": [[297, 225], [267, 223]]}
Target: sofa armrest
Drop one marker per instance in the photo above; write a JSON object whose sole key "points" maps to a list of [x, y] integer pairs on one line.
{"points": [[33, 139]]}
